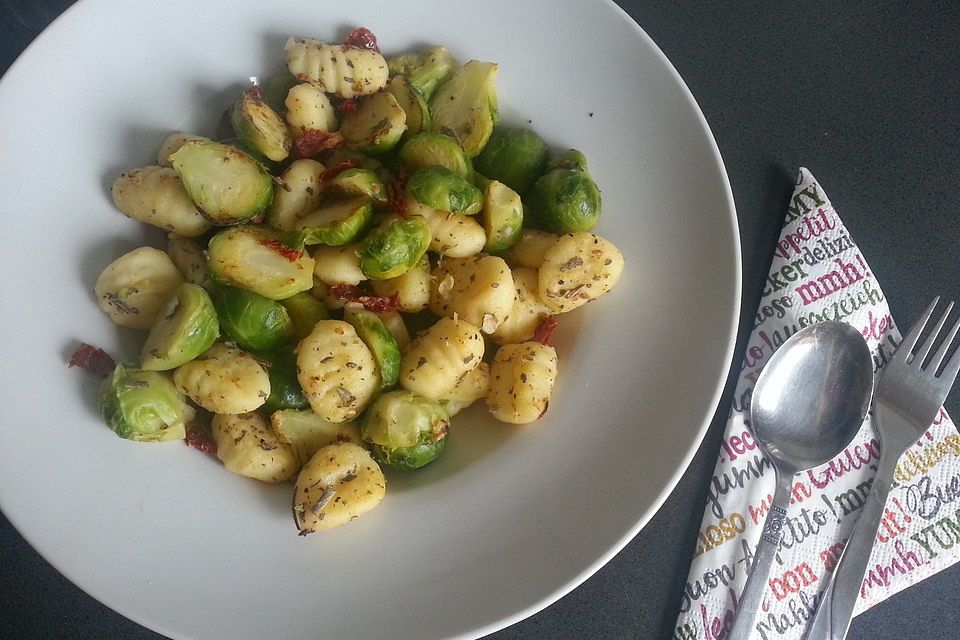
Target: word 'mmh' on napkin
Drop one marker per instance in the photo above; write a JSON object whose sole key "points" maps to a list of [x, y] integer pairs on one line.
{"points": [[818, 273]]}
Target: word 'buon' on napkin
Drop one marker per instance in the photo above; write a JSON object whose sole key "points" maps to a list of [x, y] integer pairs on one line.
{"points": [[817, 274]]}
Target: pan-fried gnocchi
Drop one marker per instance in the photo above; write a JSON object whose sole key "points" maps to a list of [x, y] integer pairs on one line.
{"points": [[336, 370], [224, 379], [348, 210], [521, 381], [248, 446], [440, 356], [156, 196], [479, 289]]}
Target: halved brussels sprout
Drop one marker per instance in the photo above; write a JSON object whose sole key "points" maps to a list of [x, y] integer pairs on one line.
{"points": [[259, 128], [502, 216], [358, 182], [394, 247], [425, 70], [413, 104], [441, 189], [515, 157], [432, 149], [285, 391], [257, 259], [377, 125], [465, 106], [226, 184], [566, 200], [172, 143], [143, 405], [254, 322], [336, 223], [305, 311], [380, 341], [186, 328], [405, 430], [307, 432]]}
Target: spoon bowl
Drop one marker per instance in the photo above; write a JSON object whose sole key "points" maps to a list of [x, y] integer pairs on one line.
{"points": [[812, 396], [808, 403]]}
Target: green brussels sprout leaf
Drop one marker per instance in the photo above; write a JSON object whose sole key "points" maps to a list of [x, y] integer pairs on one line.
{"points": [[465, 106], [259, 128], [502, 216], [336, 223], [394, 247], [380, 341], [441, 189], [285, 391], [425, 70], [413, 104], [254, 322], [358, 182], [305, 311]]}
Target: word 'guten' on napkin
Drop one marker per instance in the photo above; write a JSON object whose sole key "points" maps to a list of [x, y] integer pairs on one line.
{"points": [[817, 274]]}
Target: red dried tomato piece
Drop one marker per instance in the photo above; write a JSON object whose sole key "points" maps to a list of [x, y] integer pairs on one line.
{"points": [[345, 106], [289, 253], [362, 38], [255, 92], [200, 439], [353, 293], [93, 359], [311, 142], [545, 331], [340, 167]]}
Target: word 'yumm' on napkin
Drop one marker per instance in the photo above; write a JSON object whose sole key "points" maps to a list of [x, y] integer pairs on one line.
{"points": [[817, 274]]}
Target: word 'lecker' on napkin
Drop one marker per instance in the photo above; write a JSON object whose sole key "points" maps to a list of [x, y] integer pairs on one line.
{"points": [[817, 274]]}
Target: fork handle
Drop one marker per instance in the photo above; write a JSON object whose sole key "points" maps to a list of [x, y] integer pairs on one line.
{"points": [[835, 611]]}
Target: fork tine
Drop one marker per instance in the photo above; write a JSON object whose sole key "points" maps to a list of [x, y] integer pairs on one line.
{"points": [[905, 350], [927, 345], [949, 373]]}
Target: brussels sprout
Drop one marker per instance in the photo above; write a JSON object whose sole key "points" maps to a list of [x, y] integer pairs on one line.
{"points": [[143, 405], [425, 70], [254, 322], [413, 104], [405, 430], [443, 190], [337, 223], [394, 247], [570, 159], [305, 311], [186, 328], [256, 259], [275, 89], [285, 391], [172, 143], [502, 216], [432, 149], [566, 200], [307, 433], [358, 182], [226, 184], [259, 128], [377, 337], [377, 125], [465, 106], [515, 157]]}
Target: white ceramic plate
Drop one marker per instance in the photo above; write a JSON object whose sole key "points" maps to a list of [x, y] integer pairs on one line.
{"points": [[508, 519]]}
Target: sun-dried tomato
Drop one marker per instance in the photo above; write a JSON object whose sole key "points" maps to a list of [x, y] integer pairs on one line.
{"points": [[289, 253], [200, 439], [311, 142], [255, 92], [345, 106], [545, 330], [362, 38], [93, 359], [353, 293], [338, 168]]}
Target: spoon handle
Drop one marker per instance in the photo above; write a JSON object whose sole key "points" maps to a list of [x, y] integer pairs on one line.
{"points": [[752, 597], [835, 610]]}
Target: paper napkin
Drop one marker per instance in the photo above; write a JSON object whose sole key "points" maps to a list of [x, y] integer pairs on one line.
{"points": [[818, 274]]}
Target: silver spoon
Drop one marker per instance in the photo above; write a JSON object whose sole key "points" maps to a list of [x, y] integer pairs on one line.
{"points": [[808, 403]]}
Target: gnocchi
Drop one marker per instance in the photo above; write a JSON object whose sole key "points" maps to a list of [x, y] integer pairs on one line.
{"points": [[224, 379], [248, 446], [309, 109], [134, 288], [521, 381], [336, 68], [300, 193], [155, 195], [478, 289], [336, 371], [578, 268], [439, 357]]}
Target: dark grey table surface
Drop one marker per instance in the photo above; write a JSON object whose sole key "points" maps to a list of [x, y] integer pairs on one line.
{"points": [[866, 94]]}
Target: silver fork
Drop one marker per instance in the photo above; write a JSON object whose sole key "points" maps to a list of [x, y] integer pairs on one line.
{"points": [[907, 398]]}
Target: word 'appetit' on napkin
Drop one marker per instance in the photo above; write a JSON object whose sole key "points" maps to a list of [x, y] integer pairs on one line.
{"points": [[817, 274]]}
